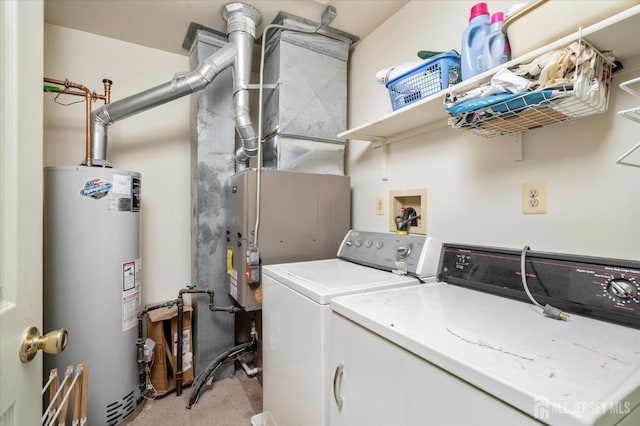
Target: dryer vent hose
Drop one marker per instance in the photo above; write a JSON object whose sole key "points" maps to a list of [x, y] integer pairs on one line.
{"points": [[212, 367]]}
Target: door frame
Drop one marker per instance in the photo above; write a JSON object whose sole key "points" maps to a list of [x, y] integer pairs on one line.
{"points": [[21, 161]]}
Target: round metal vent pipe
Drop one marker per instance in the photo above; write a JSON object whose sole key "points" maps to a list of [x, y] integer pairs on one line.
{"points": [[242, 20]]}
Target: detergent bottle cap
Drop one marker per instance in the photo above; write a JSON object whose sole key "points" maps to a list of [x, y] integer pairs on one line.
{"points": [[479, 9], [497, 17]]}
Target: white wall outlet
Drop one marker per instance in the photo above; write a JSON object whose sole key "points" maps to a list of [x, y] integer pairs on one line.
{"points": [[380, 206], [534, 198]]}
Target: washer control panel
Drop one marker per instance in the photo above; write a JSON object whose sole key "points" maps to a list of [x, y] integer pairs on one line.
{"points": [[597, 287], [403, 254]]}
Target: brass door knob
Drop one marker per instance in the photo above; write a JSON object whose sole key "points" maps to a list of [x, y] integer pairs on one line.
{"points": [[52, 343]]}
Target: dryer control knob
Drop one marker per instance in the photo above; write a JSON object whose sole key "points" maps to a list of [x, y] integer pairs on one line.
{"points": [[622, 289]]}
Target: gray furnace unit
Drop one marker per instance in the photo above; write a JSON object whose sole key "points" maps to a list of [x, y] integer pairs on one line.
{"points": [[303, 216]]}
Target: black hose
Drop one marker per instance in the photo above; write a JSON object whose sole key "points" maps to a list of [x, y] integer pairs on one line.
{"points": [[409, 217], [208, 372]]}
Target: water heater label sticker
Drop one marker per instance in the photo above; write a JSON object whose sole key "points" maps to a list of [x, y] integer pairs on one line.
{"points": [[122, 184], [136, 193], [128, 276], [131, 297], [129, 311], [96, 188], [120, 204]]}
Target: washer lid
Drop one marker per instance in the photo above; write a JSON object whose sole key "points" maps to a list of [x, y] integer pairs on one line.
{"points": [[321, 280], [565, 373]]}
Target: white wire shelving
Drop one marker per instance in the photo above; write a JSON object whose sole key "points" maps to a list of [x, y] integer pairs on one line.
{"points": [[632, 156]]}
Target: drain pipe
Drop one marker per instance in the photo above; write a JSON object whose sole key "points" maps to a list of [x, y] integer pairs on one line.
{"points": [[241, 21]]}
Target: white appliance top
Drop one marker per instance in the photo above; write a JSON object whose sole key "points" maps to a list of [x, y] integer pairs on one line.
{"points": [[321, 280], [412, 254], [579, 372]]}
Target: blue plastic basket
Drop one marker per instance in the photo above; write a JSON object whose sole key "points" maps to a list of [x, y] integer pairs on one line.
{"points": [[430, 77]]}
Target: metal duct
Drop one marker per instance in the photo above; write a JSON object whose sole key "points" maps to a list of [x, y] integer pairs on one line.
{"points": [[308, 108], [237, 25], [242, 20]]}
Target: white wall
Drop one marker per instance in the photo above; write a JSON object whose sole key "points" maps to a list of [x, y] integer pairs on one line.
{"points": [[473, 184], [154, 143]]}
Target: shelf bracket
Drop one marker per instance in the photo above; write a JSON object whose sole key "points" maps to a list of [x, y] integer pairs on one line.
{"points": [[627, 160], [516, 147], [383, 144], [385, 159], [625, 86]]}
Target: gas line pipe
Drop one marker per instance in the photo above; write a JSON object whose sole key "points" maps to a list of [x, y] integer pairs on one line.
{"points": [[179, 302], [212, 307]]}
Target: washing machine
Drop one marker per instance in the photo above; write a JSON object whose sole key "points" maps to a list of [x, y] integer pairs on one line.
{"points": [[472, 349], [296, 314]]}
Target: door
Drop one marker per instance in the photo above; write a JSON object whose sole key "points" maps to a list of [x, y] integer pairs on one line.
{"points": [[21, 73]]}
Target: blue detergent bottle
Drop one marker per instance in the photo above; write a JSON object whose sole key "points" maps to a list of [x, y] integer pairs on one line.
{"points": [[497, 50], [473, 41]]}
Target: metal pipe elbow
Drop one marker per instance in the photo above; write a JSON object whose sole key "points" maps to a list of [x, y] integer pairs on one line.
{"points": [[208, 69]]}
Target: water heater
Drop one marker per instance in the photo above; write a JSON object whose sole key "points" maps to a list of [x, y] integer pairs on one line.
{"points": [[92, 280]]}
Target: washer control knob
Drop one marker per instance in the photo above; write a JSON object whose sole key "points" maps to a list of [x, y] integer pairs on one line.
{"points": [[358, 243], [368, 243], [622, 288], [379, 245], [403, 251], [348, 243]]}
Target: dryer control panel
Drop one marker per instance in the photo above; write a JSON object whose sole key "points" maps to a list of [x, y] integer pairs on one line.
{"points": [[601, 288], [404, 254]]}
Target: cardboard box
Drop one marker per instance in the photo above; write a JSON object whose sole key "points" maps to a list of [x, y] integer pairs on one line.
{"points": [[162, 328]]}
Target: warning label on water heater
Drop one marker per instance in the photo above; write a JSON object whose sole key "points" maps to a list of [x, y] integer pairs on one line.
{"points": [[131, 297]]}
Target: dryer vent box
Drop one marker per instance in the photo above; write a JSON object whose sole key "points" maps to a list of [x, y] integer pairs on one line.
{"points": [[401, 199]]}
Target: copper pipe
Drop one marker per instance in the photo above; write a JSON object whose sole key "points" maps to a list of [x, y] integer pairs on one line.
{"points": [[86, 93], [107, 90]]}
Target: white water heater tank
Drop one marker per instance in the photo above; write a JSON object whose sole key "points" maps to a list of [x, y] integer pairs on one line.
{"points": [[92, 281]]}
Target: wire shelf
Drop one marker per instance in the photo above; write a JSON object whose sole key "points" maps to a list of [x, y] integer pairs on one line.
{"points": [[632, 114], [583, 95], [632, 156]]}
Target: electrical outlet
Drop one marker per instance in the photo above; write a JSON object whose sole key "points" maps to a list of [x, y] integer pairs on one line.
{"points": [[534, 198], [380, 206]]}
